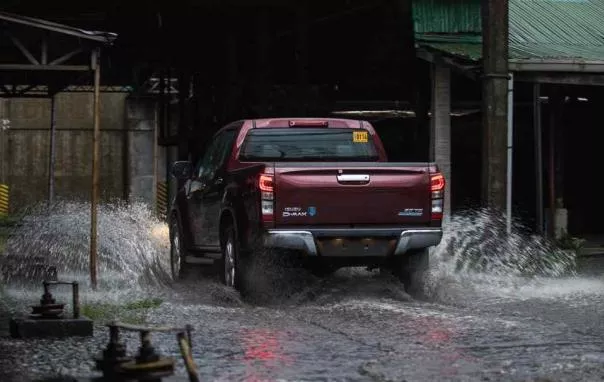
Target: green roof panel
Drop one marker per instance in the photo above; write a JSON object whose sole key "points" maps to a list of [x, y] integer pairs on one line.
{"points": [[446, 16], [539, 29]]}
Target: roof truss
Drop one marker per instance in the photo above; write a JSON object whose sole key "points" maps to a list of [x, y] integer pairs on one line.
{"points": [[35, 56]]}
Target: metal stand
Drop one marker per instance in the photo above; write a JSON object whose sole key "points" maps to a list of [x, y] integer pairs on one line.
{"points": [[148, 365], [48, 320], [49, 309]]}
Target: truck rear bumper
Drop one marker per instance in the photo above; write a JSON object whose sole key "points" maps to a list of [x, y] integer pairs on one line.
{"points": [[353, 242]]}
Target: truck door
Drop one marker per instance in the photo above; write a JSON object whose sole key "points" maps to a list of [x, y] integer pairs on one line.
{"points": [[213, 178]]}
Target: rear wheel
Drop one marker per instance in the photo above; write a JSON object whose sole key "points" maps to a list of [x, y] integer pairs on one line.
{"points": [[177, 251], [411, 270], [230, 264]]}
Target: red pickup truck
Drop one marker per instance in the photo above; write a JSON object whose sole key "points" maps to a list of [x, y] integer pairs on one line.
{"points": [[319, 187]]}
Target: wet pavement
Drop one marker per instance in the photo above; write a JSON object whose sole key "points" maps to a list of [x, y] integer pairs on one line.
{"points": [[358, 325], [519, 317]]}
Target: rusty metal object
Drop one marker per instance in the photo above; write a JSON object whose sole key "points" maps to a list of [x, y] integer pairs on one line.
{"points": [[113, 355], [49, 308], [187, 355], [148, 365]]}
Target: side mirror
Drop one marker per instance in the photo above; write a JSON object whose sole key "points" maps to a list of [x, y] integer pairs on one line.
{"points": [[182, 170]]}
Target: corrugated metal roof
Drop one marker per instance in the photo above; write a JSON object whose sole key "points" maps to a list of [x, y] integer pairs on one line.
{"points": [[560, 22], [446, 16], [99, 36], [539, 29]]}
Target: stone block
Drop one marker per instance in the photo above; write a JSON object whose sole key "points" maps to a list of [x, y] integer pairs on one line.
{"points": [[51, 328]]}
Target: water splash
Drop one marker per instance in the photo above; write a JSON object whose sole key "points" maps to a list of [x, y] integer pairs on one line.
{"points": [[477, 254], [133, 246]]}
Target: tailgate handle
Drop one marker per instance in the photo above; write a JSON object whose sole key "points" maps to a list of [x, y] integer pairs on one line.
{"points": [[353, 178]]}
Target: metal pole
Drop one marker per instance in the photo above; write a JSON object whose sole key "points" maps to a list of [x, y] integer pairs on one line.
{"points": [[51, 162], [538, 155], [95, 169], [508, 202], [553, 102]]}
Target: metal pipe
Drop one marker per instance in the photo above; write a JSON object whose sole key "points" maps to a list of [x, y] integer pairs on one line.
{"points": [[552, 175], [96, 140], [51, 161], [141, 328], [510, 147], [538, 155]]}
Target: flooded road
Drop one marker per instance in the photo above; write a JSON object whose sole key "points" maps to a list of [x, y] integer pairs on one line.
{"points": [[488, 325], [361, 326]]}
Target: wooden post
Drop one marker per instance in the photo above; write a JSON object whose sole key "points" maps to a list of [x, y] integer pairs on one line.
{"points": [[51, 154], [495, 102], [440, 130], [96, 141]]}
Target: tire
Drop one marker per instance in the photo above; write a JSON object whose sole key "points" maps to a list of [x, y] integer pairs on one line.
{"points": [[178, 267], [411, 270], [231, 261]]}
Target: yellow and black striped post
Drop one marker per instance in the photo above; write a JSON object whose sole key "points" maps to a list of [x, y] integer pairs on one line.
{"points": [[4, 200], [162, 200]]}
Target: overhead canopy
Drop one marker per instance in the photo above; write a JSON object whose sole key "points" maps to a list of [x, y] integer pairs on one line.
{"points": [[39, 54], [544, 35]]}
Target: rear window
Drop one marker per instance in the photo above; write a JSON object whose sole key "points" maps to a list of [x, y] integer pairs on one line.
{"points": [[308, 144]]}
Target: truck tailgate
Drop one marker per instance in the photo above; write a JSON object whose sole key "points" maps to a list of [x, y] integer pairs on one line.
{"points": [[344, 194]]}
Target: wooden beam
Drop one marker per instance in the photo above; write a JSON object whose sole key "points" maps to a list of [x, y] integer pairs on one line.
{"points": [[44, 50], [561, 78], [30, 57], [457, 66], [66, 68], [66, 57]]}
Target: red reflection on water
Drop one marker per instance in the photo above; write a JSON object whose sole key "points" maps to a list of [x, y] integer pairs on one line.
{"points": [[437, 333], [263, 353], [262, 345], [434, 330]]}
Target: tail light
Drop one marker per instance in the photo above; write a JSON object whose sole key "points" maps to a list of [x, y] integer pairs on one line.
{"points": [[437, 188], [266, 185], [308, 123]]}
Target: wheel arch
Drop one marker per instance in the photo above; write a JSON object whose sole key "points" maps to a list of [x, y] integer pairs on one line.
{"points": [[175, 215], [227, 218]]}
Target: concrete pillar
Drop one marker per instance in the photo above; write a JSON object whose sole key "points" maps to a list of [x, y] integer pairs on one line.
{"points": [[141, 151], [184, 87], [4, 187], [440, 127], [302, 59], [4, 126], [263, 62]]}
